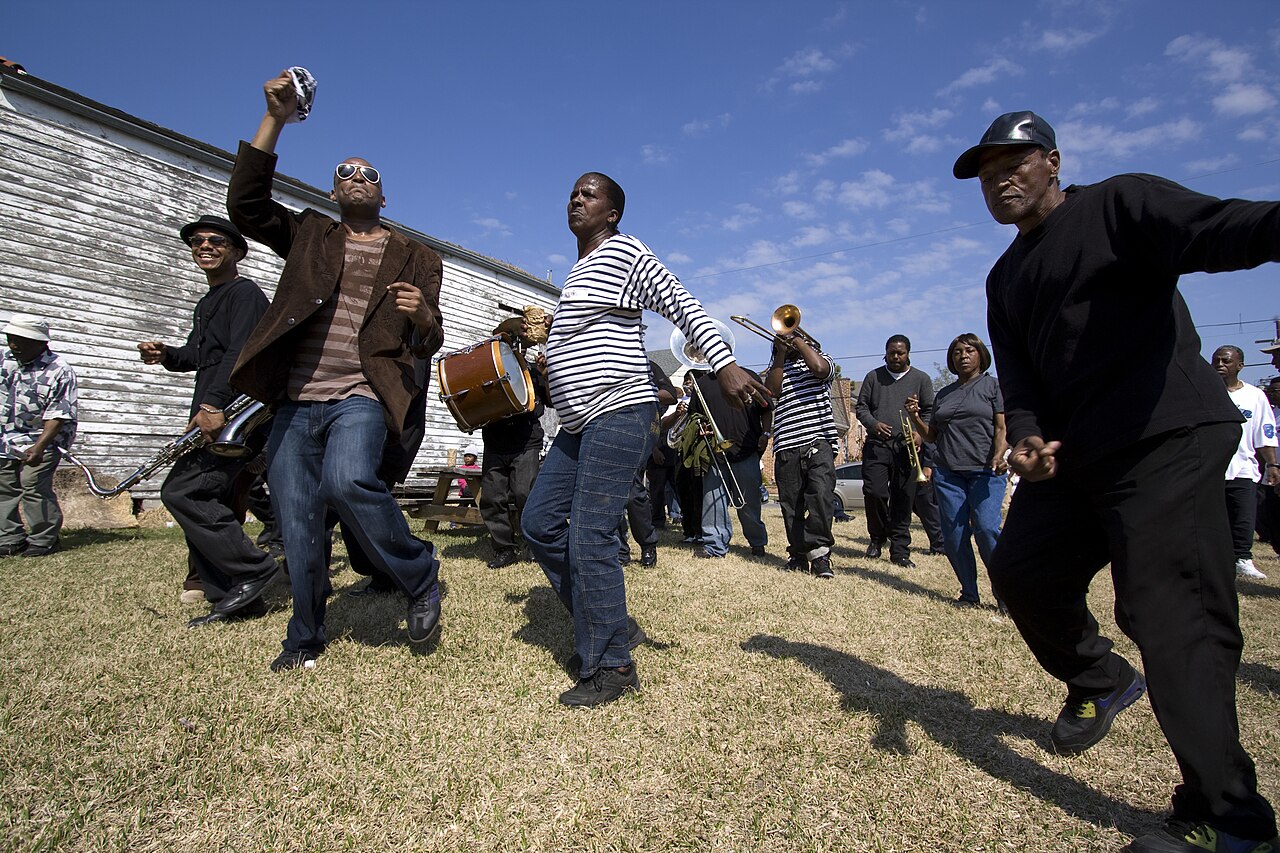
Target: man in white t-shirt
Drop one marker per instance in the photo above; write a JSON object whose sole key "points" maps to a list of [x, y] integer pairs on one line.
{"points": [[1257, 442]]}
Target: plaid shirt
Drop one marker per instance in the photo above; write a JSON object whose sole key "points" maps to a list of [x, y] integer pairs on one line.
{"points": [[42, 390]]}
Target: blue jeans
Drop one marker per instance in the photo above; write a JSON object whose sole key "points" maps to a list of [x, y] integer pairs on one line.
{"points": [[969, 505], [717, 526], [571, 526], [326, 455]]}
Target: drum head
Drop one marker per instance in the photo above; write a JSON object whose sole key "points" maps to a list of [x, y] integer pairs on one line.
{"points": [[514, 368]]}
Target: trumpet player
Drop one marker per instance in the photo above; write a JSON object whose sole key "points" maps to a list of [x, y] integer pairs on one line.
{"points": [[889, 476], [224, 566], [804, 441]]}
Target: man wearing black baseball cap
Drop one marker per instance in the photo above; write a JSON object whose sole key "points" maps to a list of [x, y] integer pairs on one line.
{"points": [[1121, 432], [224, 566]]}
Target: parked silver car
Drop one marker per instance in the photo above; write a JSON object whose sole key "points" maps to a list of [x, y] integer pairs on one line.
{"points": [[848, 488]]}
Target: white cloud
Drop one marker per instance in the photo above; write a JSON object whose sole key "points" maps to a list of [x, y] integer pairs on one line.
{"points": [[876, 189], [1081, 138], [1141, 107], [811, 236], [1212, 164], [788, 184], [1218, 62], [1065, 41], [1241, 99], [824, 190], [982, 75], [679, 258], [557, 259], [911, 128], [492, 225], [991, 105], [1084, 108], [746, 215], [701, 127], [806, 87], [799, 209], [654, 155], [845, 148]]}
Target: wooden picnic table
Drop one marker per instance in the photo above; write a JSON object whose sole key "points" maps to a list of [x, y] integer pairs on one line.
{"points": [[430, 495]]}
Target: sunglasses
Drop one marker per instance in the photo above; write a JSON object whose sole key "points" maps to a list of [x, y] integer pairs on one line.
{"points": [[347, 171], [215, 241]]}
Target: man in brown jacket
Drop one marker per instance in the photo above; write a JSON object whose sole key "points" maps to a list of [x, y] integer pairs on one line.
{"points": [[356, 304]]}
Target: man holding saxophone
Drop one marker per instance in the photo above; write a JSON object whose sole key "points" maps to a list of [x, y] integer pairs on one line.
{"points": [[224, 566]]}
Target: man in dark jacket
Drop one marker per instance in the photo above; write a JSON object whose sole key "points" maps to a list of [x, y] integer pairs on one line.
{"points": [[356, 303], [224, 566], [1123, 467]]}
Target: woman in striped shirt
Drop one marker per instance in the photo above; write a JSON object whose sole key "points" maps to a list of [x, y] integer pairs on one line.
{"points": [[598, 378]]}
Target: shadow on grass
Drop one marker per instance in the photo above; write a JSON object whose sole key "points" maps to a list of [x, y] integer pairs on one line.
{"points": [[1262, 678], [549, 625], [888, 579], [949, 718], [83, 537], [1254, 589]]}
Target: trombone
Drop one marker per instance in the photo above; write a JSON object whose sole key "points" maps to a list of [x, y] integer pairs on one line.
{"points": [[784, 321], [687, 353], [913, 453]]}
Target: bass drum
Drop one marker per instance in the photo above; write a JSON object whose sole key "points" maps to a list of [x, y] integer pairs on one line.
{"points": [[483, 383]]}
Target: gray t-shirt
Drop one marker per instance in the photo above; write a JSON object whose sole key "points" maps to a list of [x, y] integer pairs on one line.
{"points": [[964, 419]]}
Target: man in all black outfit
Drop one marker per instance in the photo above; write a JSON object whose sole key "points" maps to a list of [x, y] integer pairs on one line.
{"points": [[1123, 467], [512, 448], [888, 478], [200, 489]]}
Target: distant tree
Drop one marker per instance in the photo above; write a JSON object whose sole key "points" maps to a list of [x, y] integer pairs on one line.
{"points": [[943, 377]]}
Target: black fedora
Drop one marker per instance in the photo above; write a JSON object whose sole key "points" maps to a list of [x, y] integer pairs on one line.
{"points": [[215, 223], [1020, 128]]}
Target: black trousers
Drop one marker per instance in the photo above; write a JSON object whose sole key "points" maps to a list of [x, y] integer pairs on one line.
{"points": [[1155, 511], [806, 480], [659, 475], [505, 482], [199, 493], [639, 517], [1242, 511], [689, 493], [889, 487], [1268, 521]]}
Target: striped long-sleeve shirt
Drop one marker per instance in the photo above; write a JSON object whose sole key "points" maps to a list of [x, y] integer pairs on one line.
{"points": [[596, 360], [802, 414]]}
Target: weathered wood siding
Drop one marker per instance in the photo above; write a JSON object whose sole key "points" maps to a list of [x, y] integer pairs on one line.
{"points": [[91, 202]]}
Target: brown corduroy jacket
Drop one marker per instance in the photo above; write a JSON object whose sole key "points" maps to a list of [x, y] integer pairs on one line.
{"points": [[313, 246]]}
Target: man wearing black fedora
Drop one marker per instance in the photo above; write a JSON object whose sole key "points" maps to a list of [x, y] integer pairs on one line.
{"points": [[1123, 467], [229, 569]]}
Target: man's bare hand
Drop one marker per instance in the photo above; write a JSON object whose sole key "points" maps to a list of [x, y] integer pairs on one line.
{"points": [[151, 352], [739, 388], [282, 98], [1034, 458], [210, 424], [411, 303], [883, 430]]}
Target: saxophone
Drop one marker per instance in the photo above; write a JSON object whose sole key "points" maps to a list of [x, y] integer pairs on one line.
{"points": [[244, 414]]}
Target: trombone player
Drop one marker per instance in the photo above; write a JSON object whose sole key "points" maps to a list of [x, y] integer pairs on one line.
{"points": [[804, 441], [224, 566]]}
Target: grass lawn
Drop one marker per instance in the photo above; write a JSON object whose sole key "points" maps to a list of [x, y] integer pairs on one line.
{"points": [[778, 712]]}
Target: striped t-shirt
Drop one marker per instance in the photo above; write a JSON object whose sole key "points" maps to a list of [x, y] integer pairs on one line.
{"points": [[326, 363], [802, 413], [596, 360]]}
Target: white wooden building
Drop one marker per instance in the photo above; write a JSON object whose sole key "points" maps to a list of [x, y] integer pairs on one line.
{"points": [[88, 244]]}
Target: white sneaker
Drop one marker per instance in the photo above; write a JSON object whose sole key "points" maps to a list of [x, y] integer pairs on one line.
{"points": [[1246, 569], [192, 596]]}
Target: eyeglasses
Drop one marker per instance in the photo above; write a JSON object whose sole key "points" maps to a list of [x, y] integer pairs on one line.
{"points": [[347, 171], [214, 240]]}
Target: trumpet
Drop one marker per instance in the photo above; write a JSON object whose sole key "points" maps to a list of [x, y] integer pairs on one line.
{"points": [[784, 321], [913, 453], [244, 414]]}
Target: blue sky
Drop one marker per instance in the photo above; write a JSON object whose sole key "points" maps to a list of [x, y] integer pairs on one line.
{"points": [[771, 152]]}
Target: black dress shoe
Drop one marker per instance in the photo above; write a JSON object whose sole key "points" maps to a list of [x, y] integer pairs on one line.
{"points": [[649, 556], [874, 549], [704, 554], [252, 610], [758, 551], [244, 594], [905, 562], [504, 559], [12, 550]]}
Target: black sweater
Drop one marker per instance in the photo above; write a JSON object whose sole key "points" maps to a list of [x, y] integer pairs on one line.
{"points": [[221, 323], [1093, 343]]}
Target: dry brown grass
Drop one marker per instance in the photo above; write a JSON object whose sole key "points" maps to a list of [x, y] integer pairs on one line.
{"points": [[778, 712]]}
